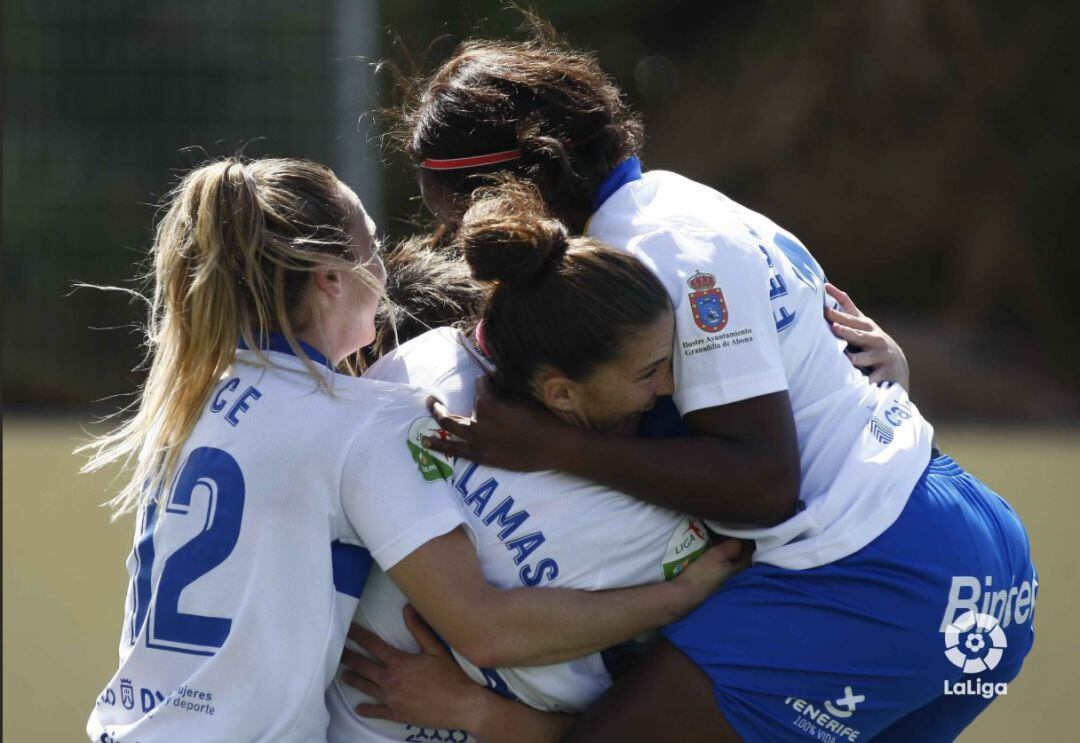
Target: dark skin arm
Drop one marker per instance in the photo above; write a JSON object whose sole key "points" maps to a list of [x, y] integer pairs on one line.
{"points": [[742, 466], [664, 697]]}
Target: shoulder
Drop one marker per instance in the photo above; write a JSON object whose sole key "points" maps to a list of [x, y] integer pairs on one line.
{"points": [[386, 432], [660, 195], [379, 401], [440, 360], [437, 347], [358, 409], [677, 252], [433, 340], [667, 214]]}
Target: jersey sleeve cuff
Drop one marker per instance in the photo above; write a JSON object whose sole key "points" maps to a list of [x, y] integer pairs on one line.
{"points": [[421, 533], [702, 396]]}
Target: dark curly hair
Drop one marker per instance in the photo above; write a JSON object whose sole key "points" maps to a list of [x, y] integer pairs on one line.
{"points": [[427, 286], [552, 103]]}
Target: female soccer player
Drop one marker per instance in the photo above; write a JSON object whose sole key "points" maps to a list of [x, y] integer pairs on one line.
{"points": [[266, 482], [582, 363], [873, 553]]}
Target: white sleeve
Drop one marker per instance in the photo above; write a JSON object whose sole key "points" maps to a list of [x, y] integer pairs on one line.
{"points": [[397, 495], [727, 347]]}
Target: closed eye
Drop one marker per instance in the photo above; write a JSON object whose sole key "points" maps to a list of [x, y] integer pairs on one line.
{"points": [[653, 370]]}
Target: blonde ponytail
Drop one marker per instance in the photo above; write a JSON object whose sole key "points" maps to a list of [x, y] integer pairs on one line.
{"points": [[231, 260]]}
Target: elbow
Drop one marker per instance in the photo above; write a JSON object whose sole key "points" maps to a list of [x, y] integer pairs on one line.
{"points": [[507, 644], [487, 641], [490, 651], [779, 509], [780, 494], [474, 642], [479, 653]]}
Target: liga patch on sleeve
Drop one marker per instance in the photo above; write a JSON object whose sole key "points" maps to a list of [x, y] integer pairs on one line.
{"points": [[687, 543], [432, 465]]}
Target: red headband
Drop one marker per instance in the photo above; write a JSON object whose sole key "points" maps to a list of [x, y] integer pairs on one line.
{"points": [[480, 340], [474, 161]]}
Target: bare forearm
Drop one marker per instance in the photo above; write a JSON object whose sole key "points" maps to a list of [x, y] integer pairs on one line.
{"points": [[490, 626], [708, 476], [495, 719], [539, 627]]}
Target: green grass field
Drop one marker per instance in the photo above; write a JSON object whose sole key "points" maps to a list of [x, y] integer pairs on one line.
{"points": [[64, 578]]}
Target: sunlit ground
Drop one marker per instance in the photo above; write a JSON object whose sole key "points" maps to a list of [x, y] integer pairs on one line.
{"points": [[64, 578]]}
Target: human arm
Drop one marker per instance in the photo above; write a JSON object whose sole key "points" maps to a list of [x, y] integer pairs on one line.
{"points": [[408, 517], [537, 626], [752, 441], [741, 466], [429, 689], [876, 351]]}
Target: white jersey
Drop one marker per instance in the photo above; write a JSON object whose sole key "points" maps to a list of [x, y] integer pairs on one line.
{"points": [[748, 301], [530, 529], [246, 570]]}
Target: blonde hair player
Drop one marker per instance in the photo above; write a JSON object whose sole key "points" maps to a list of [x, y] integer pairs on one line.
{"points": [[252, 460], [267, 482]]}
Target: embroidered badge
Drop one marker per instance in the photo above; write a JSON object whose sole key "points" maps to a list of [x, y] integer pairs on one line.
{"points": [[707, 302], [433, 465]]}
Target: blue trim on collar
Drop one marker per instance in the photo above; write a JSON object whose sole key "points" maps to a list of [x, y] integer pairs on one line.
{"points": [[625, 172], [277, 342]]}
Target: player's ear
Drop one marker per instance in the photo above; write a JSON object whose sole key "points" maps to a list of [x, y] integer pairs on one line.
{"points": [[328, 282], [559, 394]]}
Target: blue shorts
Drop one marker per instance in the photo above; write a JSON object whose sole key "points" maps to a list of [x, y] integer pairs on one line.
{"points": [[909, 638]]}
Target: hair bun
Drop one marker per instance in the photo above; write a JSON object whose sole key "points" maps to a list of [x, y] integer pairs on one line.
{"points": [[508, 236]]}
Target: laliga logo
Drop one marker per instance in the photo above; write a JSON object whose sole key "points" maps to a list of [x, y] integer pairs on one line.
{"points": [[978, 627]]}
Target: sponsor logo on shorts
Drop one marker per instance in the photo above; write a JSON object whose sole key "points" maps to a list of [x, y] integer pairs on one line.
{"points": [[848, 702], [974, 625], [983, 643], [968, 594], [433, 465], [827, 721]]}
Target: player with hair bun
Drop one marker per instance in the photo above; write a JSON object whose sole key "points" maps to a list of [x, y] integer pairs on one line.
{"points": [[268, 479], [561, 309], [576, 328], [866, 537]]}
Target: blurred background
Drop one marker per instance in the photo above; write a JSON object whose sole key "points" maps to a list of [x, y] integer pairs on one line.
{"points": [[927, 153]]}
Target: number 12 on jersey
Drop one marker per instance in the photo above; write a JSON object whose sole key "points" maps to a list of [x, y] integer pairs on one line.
{"points": [[216, 477]]}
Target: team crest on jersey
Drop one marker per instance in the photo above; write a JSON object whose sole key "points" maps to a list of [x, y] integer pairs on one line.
{"points": [[432, 464], [127, 694], [707, 302], [689, 540]]}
